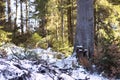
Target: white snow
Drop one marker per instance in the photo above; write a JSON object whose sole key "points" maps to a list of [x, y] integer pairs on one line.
{"points": [[66, 77], [47, 55]]}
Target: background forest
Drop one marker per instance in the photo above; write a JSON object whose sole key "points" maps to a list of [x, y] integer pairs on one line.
{"points": [[52, 23]]}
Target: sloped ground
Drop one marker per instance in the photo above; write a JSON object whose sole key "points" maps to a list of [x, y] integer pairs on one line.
{"points": [[17, 63]]}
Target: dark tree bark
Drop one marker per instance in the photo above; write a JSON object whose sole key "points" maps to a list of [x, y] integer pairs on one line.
{"points": [[21, 7], [9, 14], [85, 26], [2, 13], [69, 23], [42, 28], [15, 23], [26, 2]]}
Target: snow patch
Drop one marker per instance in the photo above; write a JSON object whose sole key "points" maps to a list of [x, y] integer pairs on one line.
{"points": [[45, 65]]}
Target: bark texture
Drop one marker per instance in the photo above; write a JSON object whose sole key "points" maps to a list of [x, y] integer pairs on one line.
{"points": [[85, 26]]}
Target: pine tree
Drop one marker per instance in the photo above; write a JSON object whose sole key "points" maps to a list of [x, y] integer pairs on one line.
{"points": [[27, 10], [21, 10], [9, 14], [2, 12], [69, 23], [85, 26]]}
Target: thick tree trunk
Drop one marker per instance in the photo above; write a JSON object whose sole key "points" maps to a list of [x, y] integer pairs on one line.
{"points": [[85, 26]]}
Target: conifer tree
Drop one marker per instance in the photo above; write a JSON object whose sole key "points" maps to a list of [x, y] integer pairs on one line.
{"points": [[85, 26], [2, 12]]}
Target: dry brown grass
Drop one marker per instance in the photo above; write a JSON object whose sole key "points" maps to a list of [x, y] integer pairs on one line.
{"points": [[108, 60]]}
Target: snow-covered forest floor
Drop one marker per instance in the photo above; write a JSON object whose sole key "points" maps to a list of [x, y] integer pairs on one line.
{"points": [[17, 63]]}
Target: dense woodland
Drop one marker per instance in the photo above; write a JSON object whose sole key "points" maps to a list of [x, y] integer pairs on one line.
{"points": [[52, 23]]}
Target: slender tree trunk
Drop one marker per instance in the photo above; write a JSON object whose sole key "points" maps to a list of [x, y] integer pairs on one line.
{"points": [[9, 13], [15, 24], [2, 13], [27, 29], [62, 22], [73, 18], [57, 37], [21, 7], [69, 23], [95, 25], [43, 27], [16, 13], [85, 26]]}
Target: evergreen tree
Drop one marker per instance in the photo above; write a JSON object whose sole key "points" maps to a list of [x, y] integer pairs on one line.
{"points": [[2, 12], [21, 10], [27, 15], [15, 22], [85, 26], [41, 9], [69, 22], [9, 14]]}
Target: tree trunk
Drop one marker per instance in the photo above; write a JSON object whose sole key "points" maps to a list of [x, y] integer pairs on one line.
{"points": [[21, 7], [69, 23], [15, 23], [2, 13], [85, 26], [62, 22], [42, 30], [9, 14], [27, 16]]}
